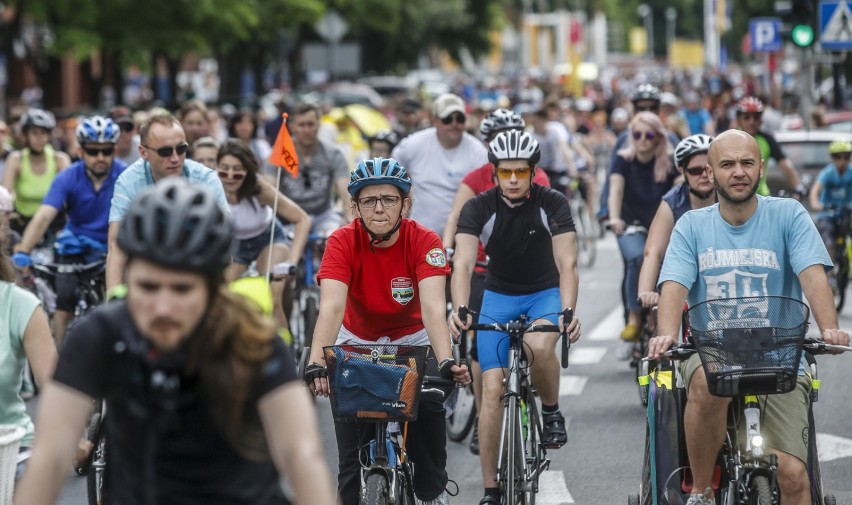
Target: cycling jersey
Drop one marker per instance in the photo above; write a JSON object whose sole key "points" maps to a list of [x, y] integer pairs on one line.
{"points": [[384, 297], [678, 200], [30, 187], [769, 148], [192, 462], [87, 209], [518, 240]]}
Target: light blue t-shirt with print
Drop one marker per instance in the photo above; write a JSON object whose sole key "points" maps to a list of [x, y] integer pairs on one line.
{"points": [[138, 176], [16, 309], [762, 257], [836, 189]]}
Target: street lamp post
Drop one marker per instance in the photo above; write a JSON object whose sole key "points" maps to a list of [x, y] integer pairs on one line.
{"points": [[671, 20], [646, 13]]}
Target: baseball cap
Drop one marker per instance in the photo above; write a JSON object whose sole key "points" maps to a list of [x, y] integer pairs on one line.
{"points": [[446, 104], [410, 105], [120, 115], [619, 114]]}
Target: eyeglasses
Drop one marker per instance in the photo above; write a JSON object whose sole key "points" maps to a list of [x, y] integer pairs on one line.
{"points": [[93, 152], [695, 171], [166, 151], [841, 156], [649, 135], [506, 173], [457, 116], [237, 176], [370, 202], [751, 115]]}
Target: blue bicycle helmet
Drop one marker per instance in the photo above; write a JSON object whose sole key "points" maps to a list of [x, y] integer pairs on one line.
{"points": [[97, 130], [379, 171]]}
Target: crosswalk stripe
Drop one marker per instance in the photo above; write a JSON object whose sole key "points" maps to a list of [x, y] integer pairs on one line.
{"points": [[609, 327], [831, 447], [586, 355], [552, 489], [571, 385]]}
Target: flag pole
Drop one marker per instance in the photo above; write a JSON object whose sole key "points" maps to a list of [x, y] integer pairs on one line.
{"points": [[274, 207]]}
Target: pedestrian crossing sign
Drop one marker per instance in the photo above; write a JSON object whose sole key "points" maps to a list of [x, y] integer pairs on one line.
{"points": [[835, 25]]}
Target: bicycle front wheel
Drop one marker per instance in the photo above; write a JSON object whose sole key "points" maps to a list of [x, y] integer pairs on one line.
{"points": [[512, 470], [375, 490], [761, 493], [95, 476], [461, 420]]}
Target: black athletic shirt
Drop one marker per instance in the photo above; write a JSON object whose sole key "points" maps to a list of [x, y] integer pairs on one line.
{"points": [[193, 463], [518, 240]]}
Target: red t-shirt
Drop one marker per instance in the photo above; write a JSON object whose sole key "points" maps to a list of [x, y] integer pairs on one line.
{"points": [[383, 282], [480, 181]]}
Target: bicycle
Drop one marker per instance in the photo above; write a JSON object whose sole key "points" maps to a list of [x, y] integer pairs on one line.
{"points": [[461, 421], [749, 347], [842, 218], [640, 348], [94, 466], [523, 457], [381, 384], [583, 224], [306, 294], [89, 278]]}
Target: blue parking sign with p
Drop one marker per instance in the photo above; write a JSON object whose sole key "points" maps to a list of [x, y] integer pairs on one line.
{"points": [[765, 35]]}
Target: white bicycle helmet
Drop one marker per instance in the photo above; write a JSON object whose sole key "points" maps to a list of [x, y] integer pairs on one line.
{"points": [[500, 120], [514, 145], [690, 146], [38, 118], [97, 130]]}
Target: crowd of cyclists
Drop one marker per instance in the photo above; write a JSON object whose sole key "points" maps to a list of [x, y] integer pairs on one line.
{"points": [[176, 206]]}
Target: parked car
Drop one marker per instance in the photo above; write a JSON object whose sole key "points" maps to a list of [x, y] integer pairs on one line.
{"points": [[836, 120], [807, 150]]}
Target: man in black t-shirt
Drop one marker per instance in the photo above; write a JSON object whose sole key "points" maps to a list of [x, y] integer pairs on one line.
{"points": [[528, 234], [203, 402]]}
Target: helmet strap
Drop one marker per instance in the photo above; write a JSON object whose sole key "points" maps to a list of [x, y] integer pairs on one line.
{"points": [[375, 239], [516, 202]]}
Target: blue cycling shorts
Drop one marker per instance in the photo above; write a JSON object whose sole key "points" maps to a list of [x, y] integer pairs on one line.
{"points": [[493, 346]]}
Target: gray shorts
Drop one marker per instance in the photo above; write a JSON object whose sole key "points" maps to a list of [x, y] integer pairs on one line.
{"points": [[784, 425]]}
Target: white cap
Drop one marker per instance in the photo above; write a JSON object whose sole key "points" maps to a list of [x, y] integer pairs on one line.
{"points": [[446, 104], [620, 114]]}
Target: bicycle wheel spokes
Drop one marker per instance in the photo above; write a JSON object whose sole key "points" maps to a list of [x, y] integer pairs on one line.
{"points": [[512, 467]]}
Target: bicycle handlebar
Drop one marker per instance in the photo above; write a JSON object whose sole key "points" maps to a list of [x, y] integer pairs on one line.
{"points": [[567, 316]]}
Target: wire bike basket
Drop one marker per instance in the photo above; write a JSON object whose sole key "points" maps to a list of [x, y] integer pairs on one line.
{"points": [[749, 345], [380, 382]]}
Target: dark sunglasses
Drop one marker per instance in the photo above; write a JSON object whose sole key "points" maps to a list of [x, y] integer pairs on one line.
{"points": [[92, 151], [650, 135], [694, 171], [842, 156], [237, 176], [166, 151], [459, 118]]}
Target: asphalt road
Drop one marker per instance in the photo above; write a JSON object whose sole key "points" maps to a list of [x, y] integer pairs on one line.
{"points": [[602, 462]]}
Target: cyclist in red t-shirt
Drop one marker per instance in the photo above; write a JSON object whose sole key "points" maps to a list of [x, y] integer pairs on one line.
{"points": [[382, 279]]}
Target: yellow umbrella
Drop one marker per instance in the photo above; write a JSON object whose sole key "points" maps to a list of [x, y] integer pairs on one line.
{"points": [[368, 120]]}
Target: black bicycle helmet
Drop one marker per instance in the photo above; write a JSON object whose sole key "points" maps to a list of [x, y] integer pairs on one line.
{"points": [[500, 120], [38, 118], [646, 91], [388, 136], [179, 225]]}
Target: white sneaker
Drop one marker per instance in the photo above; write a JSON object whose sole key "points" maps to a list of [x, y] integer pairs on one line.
{"points": [[624, 351], [442, 499], [701, 499]]}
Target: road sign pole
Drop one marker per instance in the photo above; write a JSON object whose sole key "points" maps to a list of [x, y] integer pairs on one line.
{"points": [[807, 69]]}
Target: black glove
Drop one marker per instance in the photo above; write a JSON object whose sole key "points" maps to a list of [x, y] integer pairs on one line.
{"points": [[445, 369], [314, 371]]}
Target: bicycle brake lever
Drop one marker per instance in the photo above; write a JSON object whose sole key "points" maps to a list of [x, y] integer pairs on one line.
{"points": [[567, 316]]}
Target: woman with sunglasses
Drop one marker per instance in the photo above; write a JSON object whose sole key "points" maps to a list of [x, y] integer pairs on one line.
{"points": [[642, 173], [695, 192], [831, 195], [260, 237], [30, 171]]}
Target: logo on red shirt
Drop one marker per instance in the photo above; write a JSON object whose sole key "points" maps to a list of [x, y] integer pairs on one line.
{"points": [[436, 258], [402, 290]]}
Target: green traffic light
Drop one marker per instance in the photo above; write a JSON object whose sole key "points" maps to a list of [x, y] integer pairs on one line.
{"points": [[802, 35]]}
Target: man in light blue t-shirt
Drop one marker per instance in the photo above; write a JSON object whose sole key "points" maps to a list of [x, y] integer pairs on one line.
{"points": [[745, 245], [163, 149]]}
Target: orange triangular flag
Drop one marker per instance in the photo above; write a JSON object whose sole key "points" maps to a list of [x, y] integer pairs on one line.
{"points": [[284, 152]]}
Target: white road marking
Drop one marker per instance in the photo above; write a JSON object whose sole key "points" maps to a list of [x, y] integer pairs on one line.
{"points": [[586, 355], [831, 447], [571, 385], [610, 326], [552, 489]]}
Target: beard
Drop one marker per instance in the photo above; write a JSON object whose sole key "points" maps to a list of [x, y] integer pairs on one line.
{"points": [[724, 194]]}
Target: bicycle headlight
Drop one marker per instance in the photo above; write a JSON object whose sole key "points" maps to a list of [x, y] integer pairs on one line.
{"points": [[757, 441]]}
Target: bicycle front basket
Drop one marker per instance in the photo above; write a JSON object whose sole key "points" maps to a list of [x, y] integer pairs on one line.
{"points": [[375, 382], [749, 345]]}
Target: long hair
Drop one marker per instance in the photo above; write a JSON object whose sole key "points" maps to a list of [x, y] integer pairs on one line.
{"points": [[232, 123], [663, 164], [7, 271], [236, 345], [239, 150]]}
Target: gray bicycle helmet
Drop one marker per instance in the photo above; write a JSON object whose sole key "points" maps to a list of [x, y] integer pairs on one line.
{"points": [[645, 91], [179, 225], [500, 120], [690, 146], [514, 145], [38, 118], [388, 136], [97, 130]]}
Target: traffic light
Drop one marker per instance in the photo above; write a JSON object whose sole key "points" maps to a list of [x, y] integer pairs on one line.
{"points": [[804, 14]]}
